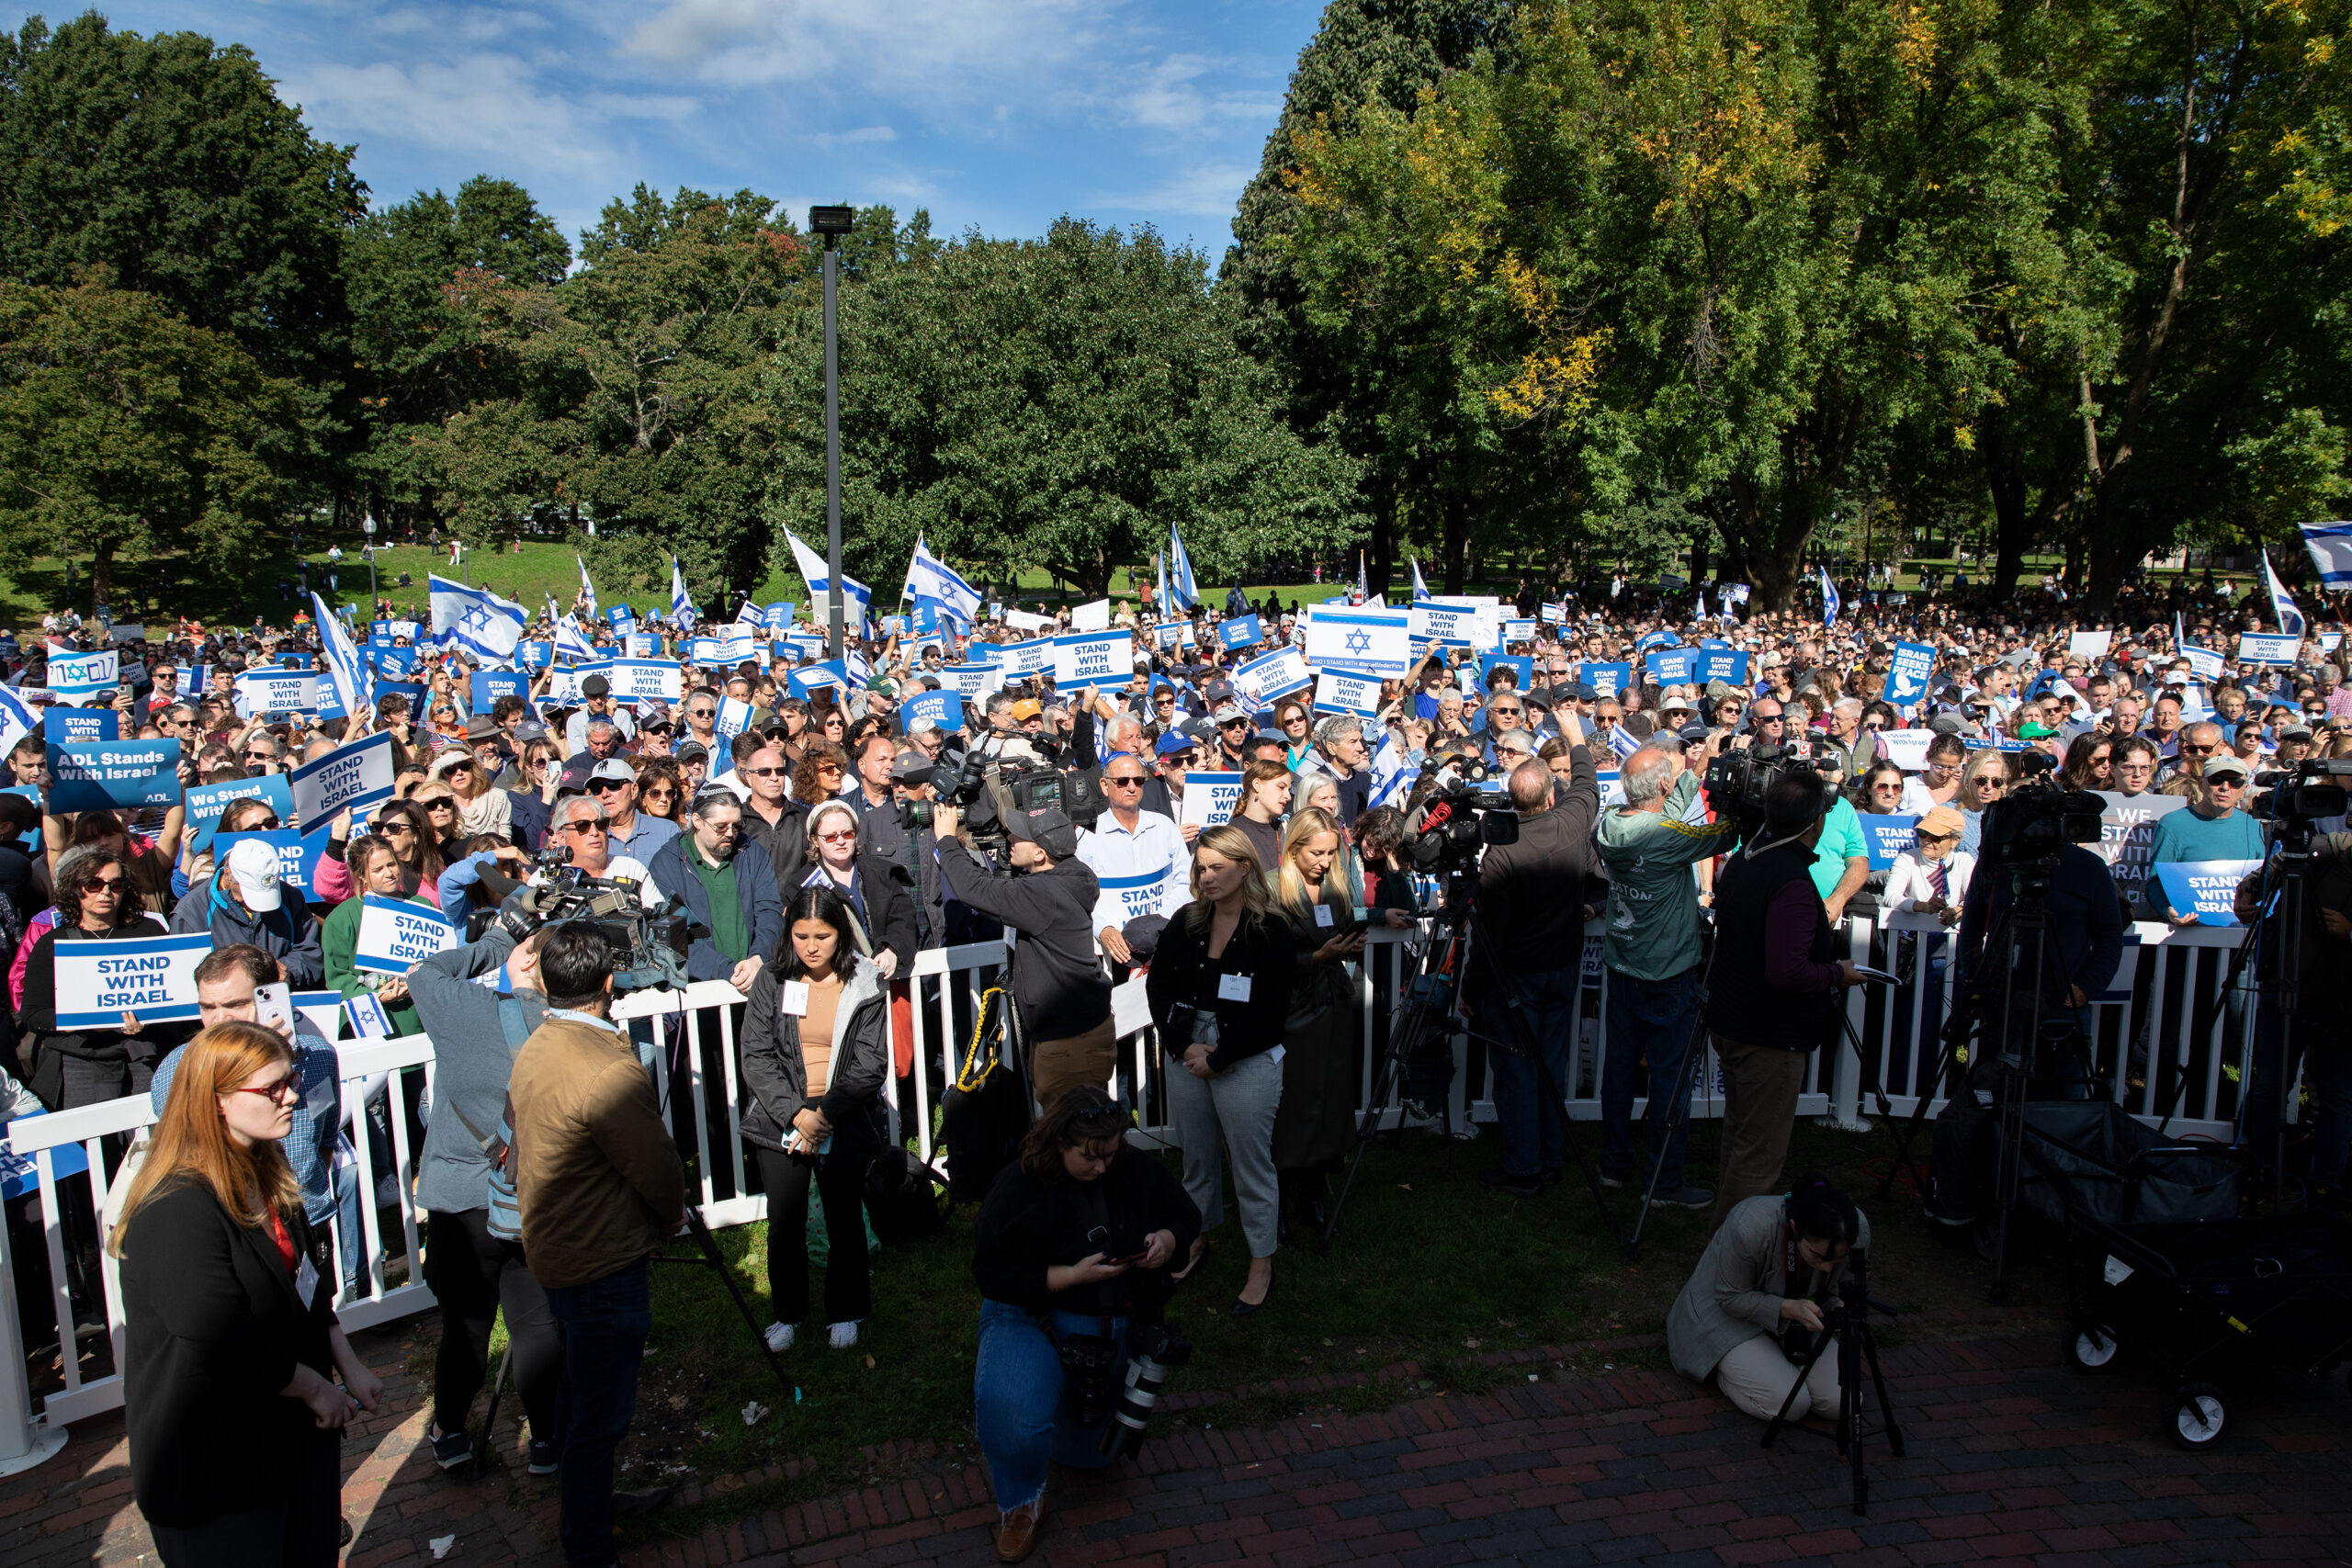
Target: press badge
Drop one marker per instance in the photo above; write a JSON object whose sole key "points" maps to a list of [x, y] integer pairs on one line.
{"points": [[792, 997], [1322, 914], [1233, 987], [306, 1282]]}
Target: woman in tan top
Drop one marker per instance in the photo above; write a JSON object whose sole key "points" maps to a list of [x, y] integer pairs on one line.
{"points": [[816, 1052]]}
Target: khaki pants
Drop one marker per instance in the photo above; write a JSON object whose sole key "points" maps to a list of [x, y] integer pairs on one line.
{"points": [[1057, 1067], [1756, 1376], [1760, 1085]]}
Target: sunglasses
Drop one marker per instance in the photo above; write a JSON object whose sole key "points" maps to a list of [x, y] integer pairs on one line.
{"points": [[392, 829], [104, 884], [1127, 781], [838, 836], [589, 825], [599, 786], [766, 772], [457, 768]]}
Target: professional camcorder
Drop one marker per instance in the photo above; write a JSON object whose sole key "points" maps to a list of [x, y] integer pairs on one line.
{"points": [[2030, 824], [2293, 801], [1738, 779], [1465, 811], [649, 946], [983, 788]]}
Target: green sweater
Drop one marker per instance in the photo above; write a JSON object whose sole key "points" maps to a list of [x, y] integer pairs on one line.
{"points": [[339, 944], [1653, 901]]}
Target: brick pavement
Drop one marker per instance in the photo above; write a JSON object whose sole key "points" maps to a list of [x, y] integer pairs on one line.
{"points": [[2012, 1459]]}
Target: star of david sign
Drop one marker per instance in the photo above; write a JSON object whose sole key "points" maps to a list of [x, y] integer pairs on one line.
{"points": [[1359, 642], [476, 619]]}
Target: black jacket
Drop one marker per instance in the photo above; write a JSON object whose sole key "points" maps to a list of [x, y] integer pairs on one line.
{"points": [[1531, 900], [2086, 922], [775, 1075], [38, 1015], [1027, 1226], [1742, 1002], [213, 1330], [889, 918], [1057, 976], [1261, 948], [787, 843]]}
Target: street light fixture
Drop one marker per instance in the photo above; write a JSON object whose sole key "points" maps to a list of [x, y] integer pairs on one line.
{"points": [[832, 222]]}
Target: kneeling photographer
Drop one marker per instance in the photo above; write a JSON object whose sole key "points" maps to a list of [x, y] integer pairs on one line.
{"points": [[1071, 1254], [1765, 1287]]}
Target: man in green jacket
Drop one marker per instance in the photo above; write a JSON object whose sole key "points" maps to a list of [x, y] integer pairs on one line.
{"points": [[1652, 950]]}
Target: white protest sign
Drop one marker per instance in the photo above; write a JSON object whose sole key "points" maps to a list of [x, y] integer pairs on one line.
{"points": [[153, 976], [1034, 658], [1092, 658], [73, 676], [276, 691], [1906, 749], [734, 716], [1263, 679], [1364, 642], [1092, 616], [1022, 621], [1337, 691], [395, 933], [563, 685], [2127, 839], [2088, 645], [1450, 624], [646, 680], [1210, 798], [354, 776], [971, 682]]}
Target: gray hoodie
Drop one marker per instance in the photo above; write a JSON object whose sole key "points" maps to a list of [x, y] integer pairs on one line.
{"points": [[472, 1062]]}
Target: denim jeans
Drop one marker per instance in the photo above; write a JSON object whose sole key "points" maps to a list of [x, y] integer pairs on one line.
{"points": [[2328, 1076], [350, 1233], [1022, 1418], [1527, 1109], [604, 1323], [1652, 1018]]}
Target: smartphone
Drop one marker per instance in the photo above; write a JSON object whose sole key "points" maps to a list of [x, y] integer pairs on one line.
{"points": [[273, 1004]]}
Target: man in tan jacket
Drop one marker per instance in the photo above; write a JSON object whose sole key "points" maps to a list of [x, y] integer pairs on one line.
{"points": [[601, 1187]]}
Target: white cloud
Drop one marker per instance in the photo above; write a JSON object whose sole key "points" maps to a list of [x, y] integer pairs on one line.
{"points": [[852, 138], [1207, 191]]}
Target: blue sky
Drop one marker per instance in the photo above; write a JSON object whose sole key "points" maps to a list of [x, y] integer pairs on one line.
{"points": [[1003, 114]]}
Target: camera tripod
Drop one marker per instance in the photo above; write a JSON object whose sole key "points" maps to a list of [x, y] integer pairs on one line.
{"points": [[711, 1258], [1434, 996], [1857, 1346]]}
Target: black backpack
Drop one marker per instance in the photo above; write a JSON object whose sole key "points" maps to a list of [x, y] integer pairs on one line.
{"points": [[905, 1199]]}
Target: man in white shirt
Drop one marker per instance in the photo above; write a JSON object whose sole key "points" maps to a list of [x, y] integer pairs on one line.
{"points": [[1137, 857], [596, 702]]}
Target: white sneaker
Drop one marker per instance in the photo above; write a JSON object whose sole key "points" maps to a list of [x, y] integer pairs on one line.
{"points": [[844, 1336], [780, 1335]]}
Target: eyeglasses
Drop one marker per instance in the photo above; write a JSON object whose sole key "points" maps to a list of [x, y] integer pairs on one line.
{"points": [[281, 1091], [839, 834], [701, 713], [589, 825]]}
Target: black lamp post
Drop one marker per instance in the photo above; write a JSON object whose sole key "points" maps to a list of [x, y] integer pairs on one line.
{"points": [[832, 222]]}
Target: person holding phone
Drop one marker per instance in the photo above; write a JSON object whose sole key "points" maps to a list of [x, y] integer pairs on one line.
{"points": [[816, 1051], [1320, 1031]]}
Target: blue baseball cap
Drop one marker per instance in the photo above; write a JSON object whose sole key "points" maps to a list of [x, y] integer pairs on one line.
{"points": [[1174, 743]]}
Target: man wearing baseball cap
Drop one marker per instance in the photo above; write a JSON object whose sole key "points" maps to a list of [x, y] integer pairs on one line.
{"points": [[596, 702], [246, 902], [2212, 827], [1058, 980]]}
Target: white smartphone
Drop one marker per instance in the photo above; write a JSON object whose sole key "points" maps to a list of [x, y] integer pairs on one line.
{"points": [[273, 1004]]}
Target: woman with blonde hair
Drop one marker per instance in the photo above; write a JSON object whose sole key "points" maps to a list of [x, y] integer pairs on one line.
{"points": [[1220, 986], [229, 1393], [1319, 1032]]}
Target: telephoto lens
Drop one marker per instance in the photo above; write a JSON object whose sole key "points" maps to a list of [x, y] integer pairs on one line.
{"points": [[1156, 1350]]}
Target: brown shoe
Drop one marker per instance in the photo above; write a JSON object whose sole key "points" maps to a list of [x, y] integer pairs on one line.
{"points": [[1016, 1535]]}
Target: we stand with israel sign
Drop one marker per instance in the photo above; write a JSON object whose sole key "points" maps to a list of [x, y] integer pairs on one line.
{"points": [[395, 933], [151, 976]]}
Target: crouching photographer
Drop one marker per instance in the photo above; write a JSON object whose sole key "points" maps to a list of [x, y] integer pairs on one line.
{"points": [[1073, 1247], [1764, 1289]]}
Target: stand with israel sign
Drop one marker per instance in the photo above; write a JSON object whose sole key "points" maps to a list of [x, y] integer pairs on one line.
{"points": [[1210, 799], [152, 977], [395, 933], [347, 778], [1092, 658], [101, 775]]}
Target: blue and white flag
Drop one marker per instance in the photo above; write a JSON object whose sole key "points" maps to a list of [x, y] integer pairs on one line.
{"points": [[15, 720], [1160, 560], [355, 684], [1186, 592], [1830, 604], [1621, 743], [1389, 773], [1420, 585], [570, 641], [2203, 662], [682, 609], [857, 598], [1363, 579], [928, 577], [588, 589], [2330, 545], [476, 620], [2291, 620]]}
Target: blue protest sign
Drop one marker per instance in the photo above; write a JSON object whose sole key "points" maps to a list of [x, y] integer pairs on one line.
{"points": [[79, 724], [1242, 631], [2210, 887], [1521, 662], [811, 678], [945, 709], [205, 803], [99, 775], [408, 689], [1606, 678], [1886, 837], [779, 616], [1669, 666], [1906, 679], [1717, 663], [489, 685], [395, 660], [535, 655], [622, 619], [298, 858], [153, 976]]}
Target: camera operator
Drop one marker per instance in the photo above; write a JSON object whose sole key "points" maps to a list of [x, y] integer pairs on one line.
{"points": [[1531, 923], [1773, 1000], [600, 1187], [1058, 980], [2321, 1018], [1071, 1252], [1763, 1289]]}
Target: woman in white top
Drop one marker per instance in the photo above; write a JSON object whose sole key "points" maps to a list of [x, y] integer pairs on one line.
{"points": [[1946, 755], [1932, 876]]}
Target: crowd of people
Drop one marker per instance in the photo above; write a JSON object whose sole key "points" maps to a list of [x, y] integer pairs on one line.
{"points": [[821, 826]]}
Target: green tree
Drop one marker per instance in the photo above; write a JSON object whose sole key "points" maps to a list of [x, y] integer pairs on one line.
{"points": [[1054, 404], [127, 432]]}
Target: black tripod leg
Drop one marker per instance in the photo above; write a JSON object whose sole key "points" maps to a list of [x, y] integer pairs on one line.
{"points": [[490, 1423], [1780, 1416], [711, 1255], [1886, 1406]]}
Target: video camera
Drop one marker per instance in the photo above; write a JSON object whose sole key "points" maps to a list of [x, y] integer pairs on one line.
{"points": [[1738, 779], [2027, 826], [649, 946], [2294, 800], [983, 788], [1467, 811]]}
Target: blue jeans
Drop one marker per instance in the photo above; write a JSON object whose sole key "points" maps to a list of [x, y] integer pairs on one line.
{"points": [[350, 1234], [2328, 1076], [1652, 1018], [1023, 1420], [604, 1324], [1528, 1110]]}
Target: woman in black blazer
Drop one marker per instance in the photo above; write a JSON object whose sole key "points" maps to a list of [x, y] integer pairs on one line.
{"points": [[228, 1390], [1229, 961]]}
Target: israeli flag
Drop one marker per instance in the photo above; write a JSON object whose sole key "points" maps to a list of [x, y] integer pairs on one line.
{"points": [[1701, 613], [587, 590], [16, 720], [2291, 620], [853, 592], [1830, 604], [1621, 743], [1185, 591], [1363, 579], [1389, 773], [355, 684], [2330, 545], [681, 610], [570, 642], [1420, 585], [476, 620], [928, 577]]}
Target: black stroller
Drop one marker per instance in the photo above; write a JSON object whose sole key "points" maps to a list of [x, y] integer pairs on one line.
{"points": [[2158, 1260]]}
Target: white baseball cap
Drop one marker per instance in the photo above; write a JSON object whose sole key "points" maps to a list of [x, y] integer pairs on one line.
{"points": [[254, 865]]}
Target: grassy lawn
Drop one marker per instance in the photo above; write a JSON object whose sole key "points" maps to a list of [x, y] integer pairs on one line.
{"points": [[1430, 1268]]}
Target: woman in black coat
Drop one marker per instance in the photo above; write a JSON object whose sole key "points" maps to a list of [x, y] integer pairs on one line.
{"points": [[229, 1392], [85, 1066], [877, 900]]}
